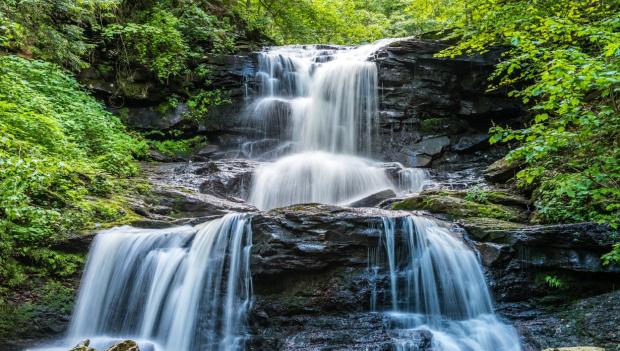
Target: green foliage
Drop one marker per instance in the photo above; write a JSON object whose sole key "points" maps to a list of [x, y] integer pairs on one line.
{"points": [[563, 60], [182, 147], [326, 21], [157, 43], [613, 256], [51, 30], [52, 303], [58, 149], [477, 194], [554, 282], [200, 102]]}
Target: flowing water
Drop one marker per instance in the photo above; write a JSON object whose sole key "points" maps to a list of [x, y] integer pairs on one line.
{"points": [[183, 288], [436, 285], [321, 104]]}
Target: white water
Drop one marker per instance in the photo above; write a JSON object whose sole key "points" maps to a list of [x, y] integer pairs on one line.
{"points": [[177, 289], [436, 284], [321, 103]]}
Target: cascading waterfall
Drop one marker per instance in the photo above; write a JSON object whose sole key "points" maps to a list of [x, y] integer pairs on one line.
{"points": [[320, 103], [182, 289], [436, 284]]}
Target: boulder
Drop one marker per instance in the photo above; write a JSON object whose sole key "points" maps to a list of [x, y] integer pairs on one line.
{"points": [[374, 199], [502, 170], [152, 118], [83, 346], [431, 146], [126, 345], [310, 279], [455, 205], [471, 142]]}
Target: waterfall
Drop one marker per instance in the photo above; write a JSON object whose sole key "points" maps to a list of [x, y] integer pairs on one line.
{"points": [[183, 288], [321, 104], [436, 284]]}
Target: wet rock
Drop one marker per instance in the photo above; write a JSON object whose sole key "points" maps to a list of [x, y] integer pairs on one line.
{"points": [[374, 199], [491, 254], [175, 197], [208, 150], [313, 237], [126, 345], [590, 321], [489, 229], [456, 205], [426, 96], [152, 118], [570, 252], [443, 126], [577, 348], [501, 170], [431, 146], [311, 283], [227, 178], [83, 346], [471, 142]]}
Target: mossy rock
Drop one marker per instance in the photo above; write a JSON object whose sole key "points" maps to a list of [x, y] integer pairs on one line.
{"points": [[455, 206], [507, 199], [126, 345], [502, 170], [84, 345], [447, 126], [490, 229]]}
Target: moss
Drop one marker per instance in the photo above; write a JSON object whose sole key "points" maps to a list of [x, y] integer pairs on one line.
{"points": [[455, 206], [442, 126], [46, 306]]}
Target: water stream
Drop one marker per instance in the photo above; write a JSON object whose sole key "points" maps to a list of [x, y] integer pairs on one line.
{"points": [[436, 284], [182, 288]]}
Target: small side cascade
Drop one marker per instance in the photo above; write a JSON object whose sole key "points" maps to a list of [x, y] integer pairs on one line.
{"points": [[183, 288], [436, 288]]}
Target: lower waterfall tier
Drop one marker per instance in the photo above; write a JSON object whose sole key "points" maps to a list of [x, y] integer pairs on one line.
{"points": [[437, 286]]}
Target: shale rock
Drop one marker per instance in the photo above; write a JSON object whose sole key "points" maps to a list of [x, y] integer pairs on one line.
{"points": [[374, 199], [423, 96], [590, 321], [311, 283], [501, 170]]}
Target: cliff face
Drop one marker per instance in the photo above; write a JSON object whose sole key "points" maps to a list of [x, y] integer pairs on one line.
{"points": [[436, 112]]}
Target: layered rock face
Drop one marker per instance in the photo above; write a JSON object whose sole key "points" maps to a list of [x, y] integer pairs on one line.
{"points": [[435, 111]]}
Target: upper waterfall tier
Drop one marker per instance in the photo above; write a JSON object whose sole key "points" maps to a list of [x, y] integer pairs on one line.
{"points": [[321, 98], [320, 104]]}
